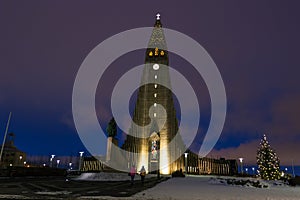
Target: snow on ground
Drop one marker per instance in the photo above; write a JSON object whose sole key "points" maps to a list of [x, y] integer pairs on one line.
{"points": [[12, 196], [53, 193], [105, 176], [202, 187], [199, 187]]}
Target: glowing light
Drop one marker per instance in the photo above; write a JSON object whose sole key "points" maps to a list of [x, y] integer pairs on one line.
{"points": [[155, 76], [164, 157], [154, 114], [155, 66], [155, 95], [155, 85], [143, 158], [156, 51], [155, 104]]}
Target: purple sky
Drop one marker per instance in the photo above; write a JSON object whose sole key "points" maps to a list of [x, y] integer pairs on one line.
{"points": [[255, 45]]}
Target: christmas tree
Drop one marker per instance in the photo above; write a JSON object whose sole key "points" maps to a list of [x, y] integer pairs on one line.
{"points": [[267, 161]]}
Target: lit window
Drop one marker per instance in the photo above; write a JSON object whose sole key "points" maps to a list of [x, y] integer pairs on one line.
{"points": [[155, 76], [155, 95], [154, 114], [156, 51], [155, 85]]}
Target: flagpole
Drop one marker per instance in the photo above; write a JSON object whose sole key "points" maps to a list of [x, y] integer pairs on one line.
{"points": [[6, 130], [293, 168]]}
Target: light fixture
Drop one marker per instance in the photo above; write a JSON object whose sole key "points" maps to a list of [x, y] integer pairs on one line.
{"points": [[155, 66]]}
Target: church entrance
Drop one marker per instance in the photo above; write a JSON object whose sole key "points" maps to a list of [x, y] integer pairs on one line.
{"points": [[154, 153]]}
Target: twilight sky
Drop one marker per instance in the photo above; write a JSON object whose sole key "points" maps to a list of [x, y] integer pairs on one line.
{"points": [[255, 45]]}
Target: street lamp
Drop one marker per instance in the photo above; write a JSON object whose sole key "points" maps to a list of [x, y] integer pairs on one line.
{"points": [[21, 159], [253, 171], [246, 169], [58, 161], [185, 156], [241, 161], [51, 160], [80, 159], [70, 166]]}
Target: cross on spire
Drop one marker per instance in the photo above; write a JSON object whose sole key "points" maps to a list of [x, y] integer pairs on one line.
{"points": [[157, 16]]}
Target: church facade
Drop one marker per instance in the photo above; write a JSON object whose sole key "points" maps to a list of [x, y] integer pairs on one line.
{"points": [[154, 118]]}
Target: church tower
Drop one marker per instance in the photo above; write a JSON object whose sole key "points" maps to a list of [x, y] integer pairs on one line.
{"points": [[155, 123]]}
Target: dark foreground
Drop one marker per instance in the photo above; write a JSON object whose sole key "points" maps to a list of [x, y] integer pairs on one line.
{"points": [[59, 188]]}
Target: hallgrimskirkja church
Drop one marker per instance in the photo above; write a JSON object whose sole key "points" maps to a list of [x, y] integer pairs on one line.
{"points": [[150, 139]]}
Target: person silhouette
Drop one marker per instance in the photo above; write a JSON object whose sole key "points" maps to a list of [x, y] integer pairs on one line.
{"points": [[143, 174], [132, 173]]}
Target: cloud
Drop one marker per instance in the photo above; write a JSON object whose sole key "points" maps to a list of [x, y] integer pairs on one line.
{"points": [[286, 150]]}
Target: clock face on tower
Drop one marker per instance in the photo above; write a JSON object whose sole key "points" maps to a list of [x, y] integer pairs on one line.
{"points": [[155, 66]]}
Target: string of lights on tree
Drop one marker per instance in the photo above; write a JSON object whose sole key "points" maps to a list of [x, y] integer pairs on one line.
{"points": [[267, 161]]}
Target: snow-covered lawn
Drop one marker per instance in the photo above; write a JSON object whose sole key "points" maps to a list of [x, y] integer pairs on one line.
{"points": [[201, 187], [103, 177], [209, 187], [106, 176]]}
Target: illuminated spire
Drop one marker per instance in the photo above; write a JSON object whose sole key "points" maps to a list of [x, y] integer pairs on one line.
{"points": [[157, 16]]}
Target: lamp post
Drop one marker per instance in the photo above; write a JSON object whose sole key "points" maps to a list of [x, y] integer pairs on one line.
{"points": [[57, 162], [186, 167], [21, 157], [241, 161], [51, 160], [80, 159]]}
